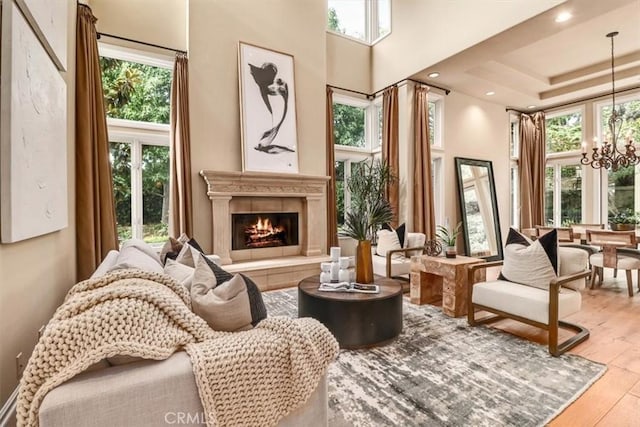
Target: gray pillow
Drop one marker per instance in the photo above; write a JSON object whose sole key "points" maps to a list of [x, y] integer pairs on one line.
{"points": [[134, 257], [224, 306], [182, 273]]}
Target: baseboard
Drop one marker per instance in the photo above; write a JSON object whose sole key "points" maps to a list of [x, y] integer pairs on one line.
{"points": [[8, 412]]}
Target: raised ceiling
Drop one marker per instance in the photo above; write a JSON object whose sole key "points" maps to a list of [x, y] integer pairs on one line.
{"points": [[543, 63]]}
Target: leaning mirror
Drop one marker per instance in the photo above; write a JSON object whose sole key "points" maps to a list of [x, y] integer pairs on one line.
{"points": [[478, 209]]}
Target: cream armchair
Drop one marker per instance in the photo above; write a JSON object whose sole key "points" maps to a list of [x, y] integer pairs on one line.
{"points": [[535, 306], [397, 262]]}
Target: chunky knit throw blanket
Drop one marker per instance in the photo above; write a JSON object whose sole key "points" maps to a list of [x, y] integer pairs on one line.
{"points": [[253, 378]]}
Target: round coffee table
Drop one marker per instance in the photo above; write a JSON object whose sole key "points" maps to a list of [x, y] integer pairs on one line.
{"points": [[356, 320]]}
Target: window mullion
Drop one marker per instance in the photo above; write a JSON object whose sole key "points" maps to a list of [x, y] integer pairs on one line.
{"points": [[136, 189], [557, 184]]}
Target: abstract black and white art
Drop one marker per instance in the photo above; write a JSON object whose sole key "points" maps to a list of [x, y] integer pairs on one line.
{"points": [[267, 110]]}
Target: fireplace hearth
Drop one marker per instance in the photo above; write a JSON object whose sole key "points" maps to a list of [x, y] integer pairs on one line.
{"points": [[263, 230]]}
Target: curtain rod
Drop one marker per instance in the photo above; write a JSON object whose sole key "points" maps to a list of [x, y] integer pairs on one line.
{"points": [[577, 101], [408, 79], [139, 42], [373, 95], [368, 96]]}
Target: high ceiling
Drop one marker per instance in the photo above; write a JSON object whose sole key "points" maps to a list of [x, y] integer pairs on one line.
{"points": [[543, 63]]}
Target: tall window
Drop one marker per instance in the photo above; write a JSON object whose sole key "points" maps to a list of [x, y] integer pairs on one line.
{"points": [[436, 119], [514, 144], [137, 92], [366, 20], [623, 185], [563, 177], [357, 127]]}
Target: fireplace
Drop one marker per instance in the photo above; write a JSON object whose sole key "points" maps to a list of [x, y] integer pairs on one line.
{"points": [[263, 230], [256, 192]]}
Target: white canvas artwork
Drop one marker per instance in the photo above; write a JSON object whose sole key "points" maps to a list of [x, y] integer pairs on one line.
{"points": [[268, 110], [48, 18], [33, 134]]}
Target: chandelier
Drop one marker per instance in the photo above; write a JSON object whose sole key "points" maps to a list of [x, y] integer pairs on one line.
{"points": [[609, 155]]}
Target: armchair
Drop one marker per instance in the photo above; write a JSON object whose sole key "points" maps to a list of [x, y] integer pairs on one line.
{"points": [[396, 263], [536, 306]]}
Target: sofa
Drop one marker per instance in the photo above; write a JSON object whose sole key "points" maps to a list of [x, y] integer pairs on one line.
{"points": [[125, 390]]}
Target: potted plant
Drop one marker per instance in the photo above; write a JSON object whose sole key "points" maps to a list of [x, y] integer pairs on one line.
{"points": [[448, 237], [623, 220], [369, 210]]}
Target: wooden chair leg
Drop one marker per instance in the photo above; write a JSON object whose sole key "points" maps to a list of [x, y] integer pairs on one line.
{"points": [[615, 273], [594, 273], [600, 275], [629, 283]]}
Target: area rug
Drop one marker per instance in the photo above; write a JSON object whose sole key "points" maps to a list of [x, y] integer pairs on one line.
{"points": [[442, 372]]}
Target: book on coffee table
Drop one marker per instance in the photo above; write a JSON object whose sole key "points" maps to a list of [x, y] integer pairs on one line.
{"points": [[349, 287]]}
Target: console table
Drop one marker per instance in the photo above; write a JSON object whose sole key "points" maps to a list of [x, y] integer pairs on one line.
{"points": [[435, 278]]}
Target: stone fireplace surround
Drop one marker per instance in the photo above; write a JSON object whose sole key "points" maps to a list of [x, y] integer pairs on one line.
{"points": [[255, 192]]}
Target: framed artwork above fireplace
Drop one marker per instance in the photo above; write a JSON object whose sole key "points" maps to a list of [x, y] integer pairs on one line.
{"points": [[267, 110]]}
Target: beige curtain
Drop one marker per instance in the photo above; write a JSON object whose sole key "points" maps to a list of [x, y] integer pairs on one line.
{"points": [[423, 209], [95, 208], [180, 203], [531, 169], [390, 145], [332, 209]]}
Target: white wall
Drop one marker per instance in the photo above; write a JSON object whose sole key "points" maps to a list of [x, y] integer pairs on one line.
{"points": [[476, 129], [424, 32]]}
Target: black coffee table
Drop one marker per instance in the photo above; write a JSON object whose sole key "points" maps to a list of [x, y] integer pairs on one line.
{"points": [[356, 320]]}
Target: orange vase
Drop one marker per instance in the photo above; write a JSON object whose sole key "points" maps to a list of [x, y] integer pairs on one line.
{"points": [[364, 263]]}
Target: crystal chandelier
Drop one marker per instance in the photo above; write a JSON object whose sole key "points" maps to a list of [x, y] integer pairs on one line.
{"points": [[609, 155]]}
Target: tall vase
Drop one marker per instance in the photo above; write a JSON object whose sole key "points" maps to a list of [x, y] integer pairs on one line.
{"points": [[364, 263]]}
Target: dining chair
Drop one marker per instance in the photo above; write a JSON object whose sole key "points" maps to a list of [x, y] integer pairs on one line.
{"points": [[580, 230], [565, 234], [618, 252]]}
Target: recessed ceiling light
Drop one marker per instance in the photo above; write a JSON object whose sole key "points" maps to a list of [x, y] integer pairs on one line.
{"points": [[563, 16], [490, 93], [434, 74], [531, 106]]}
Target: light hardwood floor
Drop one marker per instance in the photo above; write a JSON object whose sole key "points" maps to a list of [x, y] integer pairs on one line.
{"points": [[614, 322]]}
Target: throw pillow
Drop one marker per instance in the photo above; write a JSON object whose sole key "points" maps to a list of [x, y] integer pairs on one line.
{"points": [[401, 231], [171, 249], [530, 263], [188, 255], [258, 309], [133, 257], [387, 241], [182, 273], [225, 306], [106, 264]]}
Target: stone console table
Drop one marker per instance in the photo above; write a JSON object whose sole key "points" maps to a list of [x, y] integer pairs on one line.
{"points": [[435, 278]]}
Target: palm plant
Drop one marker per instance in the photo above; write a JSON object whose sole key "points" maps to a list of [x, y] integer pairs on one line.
{"points": [[448, 236], [369, 208]]}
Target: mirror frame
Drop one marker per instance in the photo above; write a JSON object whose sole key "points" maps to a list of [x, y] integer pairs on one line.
{"points": [[460, 161]]}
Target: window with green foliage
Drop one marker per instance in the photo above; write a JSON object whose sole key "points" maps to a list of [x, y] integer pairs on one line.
{"points": [[349, 125], [624, 183], [563, 176], [564, 133], [366, 20], [357, 126], [137, 101]]}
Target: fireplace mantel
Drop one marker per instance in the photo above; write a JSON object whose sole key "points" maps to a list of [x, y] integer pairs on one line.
{"points": [[311, 190], [221, 183]]}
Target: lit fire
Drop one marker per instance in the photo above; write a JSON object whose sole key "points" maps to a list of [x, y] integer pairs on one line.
{"points": [[263, 230]]}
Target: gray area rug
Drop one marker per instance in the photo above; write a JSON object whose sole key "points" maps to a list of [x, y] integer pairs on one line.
{"points": [[442, 372]]}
